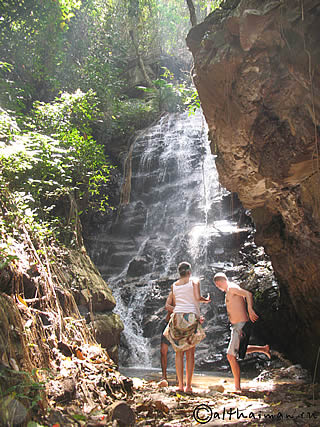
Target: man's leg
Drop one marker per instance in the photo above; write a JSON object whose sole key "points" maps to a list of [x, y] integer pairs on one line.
{"points": [[265, 349], [235, 368], [232, 351], [164, 358], [189, 367], [179, 369]]}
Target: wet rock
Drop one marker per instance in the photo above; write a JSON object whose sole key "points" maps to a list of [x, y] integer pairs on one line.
{"points": [[108, 328], [138, 267], [141, 262], [295, 372]]}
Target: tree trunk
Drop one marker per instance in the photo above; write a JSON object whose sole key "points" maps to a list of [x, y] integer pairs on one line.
{"points": [[140, 60], [193, 16]]}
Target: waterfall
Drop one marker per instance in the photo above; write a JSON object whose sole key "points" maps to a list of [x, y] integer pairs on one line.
{"points": [[174, 215], [177, 183]]}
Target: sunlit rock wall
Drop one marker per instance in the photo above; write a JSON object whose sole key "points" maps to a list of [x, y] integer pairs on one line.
{"points": [[256, 68]]}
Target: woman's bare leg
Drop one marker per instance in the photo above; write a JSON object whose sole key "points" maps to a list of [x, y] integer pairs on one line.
{"points": [[179, 369], [189, 367]]}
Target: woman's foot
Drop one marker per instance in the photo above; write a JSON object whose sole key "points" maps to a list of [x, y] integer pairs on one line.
{"points": [[188, 390]]}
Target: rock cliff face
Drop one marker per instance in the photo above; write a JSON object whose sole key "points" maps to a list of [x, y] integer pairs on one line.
{"points": [[256, 68]]}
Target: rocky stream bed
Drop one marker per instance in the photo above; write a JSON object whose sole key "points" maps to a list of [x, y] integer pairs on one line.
{"points": [[88, 391]]}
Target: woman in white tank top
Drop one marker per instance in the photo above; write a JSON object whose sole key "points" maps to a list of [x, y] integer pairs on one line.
{"points": [[184, 330]]}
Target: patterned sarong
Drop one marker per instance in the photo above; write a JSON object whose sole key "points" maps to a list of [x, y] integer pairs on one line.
{"points": [[184, 331]]}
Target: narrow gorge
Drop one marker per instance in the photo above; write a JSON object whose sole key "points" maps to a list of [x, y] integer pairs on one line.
{"points": [[178, 211]]}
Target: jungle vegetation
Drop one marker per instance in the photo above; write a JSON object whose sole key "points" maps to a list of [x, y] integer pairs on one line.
{"points": [[75, 77], [67, 87]]}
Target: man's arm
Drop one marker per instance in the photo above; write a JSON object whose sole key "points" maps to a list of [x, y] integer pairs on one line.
{"points": [[235, 289]]}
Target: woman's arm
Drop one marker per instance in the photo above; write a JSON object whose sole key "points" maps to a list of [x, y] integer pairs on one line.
{"points": [[196, 293], [170, 303]]}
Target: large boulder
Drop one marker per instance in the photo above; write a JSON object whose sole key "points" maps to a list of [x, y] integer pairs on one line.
{"points": [[108, 328], [256, 68], [86, 283]]}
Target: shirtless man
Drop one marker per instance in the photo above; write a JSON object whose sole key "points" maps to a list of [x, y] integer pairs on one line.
{"points": [[239, 313]]}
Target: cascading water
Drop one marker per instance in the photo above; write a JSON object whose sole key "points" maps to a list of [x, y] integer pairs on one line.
{"points": [[174, 214]]}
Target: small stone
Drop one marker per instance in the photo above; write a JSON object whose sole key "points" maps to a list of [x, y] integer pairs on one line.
{"points": [[217, 387], [162, 383], [122, 413]]}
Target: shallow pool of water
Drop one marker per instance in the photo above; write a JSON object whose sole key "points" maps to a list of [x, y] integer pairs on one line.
{"points": [[201, 380]]}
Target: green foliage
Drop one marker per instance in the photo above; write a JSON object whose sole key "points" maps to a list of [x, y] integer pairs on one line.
{"points": [[24, 43], [167, 95], [52, 160], [78, 110], [67, 7], [20, 395], [45, 172], [212, 5], [163, 97], [173, 24], [130, 115], [89, 45], [8, 126], [34, 57], [190, 97], [164, 24], [6, 258], [11, 94]]}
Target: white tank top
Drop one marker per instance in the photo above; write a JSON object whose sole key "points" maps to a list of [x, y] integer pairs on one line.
{"points": [[185, 300]]}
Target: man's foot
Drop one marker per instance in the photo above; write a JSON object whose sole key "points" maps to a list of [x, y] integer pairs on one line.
{"points": [[266, 351]]}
